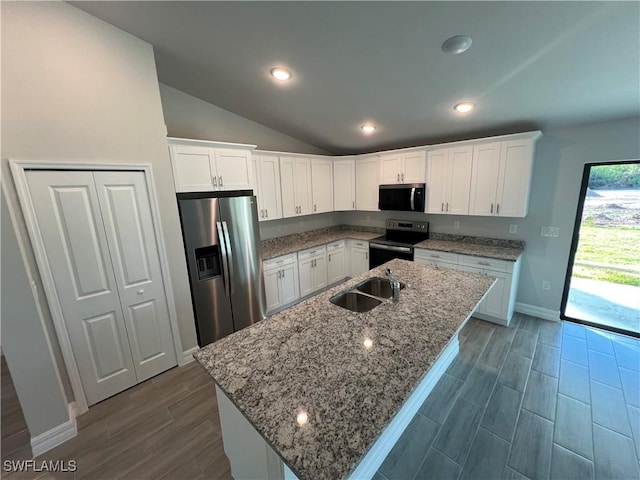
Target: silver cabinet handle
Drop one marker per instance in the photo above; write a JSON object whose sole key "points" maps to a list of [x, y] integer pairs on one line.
{"points": [[497, 209], [353, 204], [279, 273], [140, 292], [434, 256], [366, 255], [215, 181], [484, 263], [282, 273], [447, 206], [492, 208], [266, 213], [261, 213], [314, 208], [402, 177], [221, 184], [442, 207], [398, 177], [329, 257]]}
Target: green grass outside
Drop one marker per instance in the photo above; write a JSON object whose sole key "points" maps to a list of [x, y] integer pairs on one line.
{"points": [[610, 254]]}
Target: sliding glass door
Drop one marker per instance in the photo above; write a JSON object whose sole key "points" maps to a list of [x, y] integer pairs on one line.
{"points": [[602, 286]]}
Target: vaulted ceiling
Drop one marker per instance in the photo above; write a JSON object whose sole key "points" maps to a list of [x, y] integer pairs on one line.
{"points": [[531, 64]]}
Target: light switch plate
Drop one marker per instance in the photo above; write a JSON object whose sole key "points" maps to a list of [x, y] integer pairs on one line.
{"points": [[546, 285], [513, 228], [550, 232]]}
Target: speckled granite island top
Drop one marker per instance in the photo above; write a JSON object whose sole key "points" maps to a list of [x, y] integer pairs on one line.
{"points": [[275, 247], [312, 358]]}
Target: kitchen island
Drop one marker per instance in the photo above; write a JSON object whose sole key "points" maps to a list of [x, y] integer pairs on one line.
{"points": [[317, 391]]}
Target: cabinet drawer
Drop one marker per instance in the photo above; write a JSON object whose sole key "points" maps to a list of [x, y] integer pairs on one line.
{"points": [[279, 262], [335, 246], [446, 257], [360, 244], [311, 252], [487, 263]]}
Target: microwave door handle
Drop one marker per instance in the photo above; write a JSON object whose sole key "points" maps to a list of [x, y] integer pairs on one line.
{"points": [[412, 199], [230, 257], [225, 261]]}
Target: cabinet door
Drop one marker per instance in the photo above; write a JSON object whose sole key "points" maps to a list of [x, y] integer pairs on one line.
{"points": [[305, 272], [413, 167], [514, 182], [437, 180], [484, 179], [319, 272], [344, 185], [390, 168], [322, 185], [193, 168], [233, 168], [271, 288], [289, 284], [303, 185], [367, 182], [336, 266], [288, 186], [359, 261], [270, 202], [459, 180], [465, 268], [496, 303]]}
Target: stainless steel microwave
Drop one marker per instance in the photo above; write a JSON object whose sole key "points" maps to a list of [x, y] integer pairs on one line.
{"points": [[402, 198]]}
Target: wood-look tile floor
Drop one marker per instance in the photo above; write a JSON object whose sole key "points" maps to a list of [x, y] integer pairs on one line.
{"points": [[15, 442], [535, 400]]}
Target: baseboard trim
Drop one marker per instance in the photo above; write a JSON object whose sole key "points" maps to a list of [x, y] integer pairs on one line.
{"points": [[54, 437], [544, 313], [187, 355]]}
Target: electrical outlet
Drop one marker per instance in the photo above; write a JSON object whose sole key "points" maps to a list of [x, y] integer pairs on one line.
{"points": [[456, 224], [513, 228], [546, 285], [550, 232]]}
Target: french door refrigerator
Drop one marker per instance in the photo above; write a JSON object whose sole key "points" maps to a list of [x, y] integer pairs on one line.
{"points": [[222, 246]]}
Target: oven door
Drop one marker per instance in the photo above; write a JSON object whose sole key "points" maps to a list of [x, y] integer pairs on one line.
{"points": [[380, 253]]}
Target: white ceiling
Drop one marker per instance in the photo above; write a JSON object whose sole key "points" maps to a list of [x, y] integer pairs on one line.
{"points": [[531, 65]]}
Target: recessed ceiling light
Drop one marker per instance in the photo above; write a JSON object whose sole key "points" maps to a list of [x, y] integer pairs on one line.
{"points": [[464, 107], [280, 73], [368, 128], [457, 44]]}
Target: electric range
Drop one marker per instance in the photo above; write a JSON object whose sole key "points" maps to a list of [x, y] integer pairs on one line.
{"points": [[397, 242]]}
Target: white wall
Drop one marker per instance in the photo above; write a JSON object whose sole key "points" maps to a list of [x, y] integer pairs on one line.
{"points": [[190, 117], [77, 89]]}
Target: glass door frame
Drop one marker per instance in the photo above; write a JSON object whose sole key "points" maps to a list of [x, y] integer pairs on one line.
{"points": [[586, 173]]}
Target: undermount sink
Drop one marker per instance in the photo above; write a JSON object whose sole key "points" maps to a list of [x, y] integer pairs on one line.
{"points": [[378, 287], [354, 301]]}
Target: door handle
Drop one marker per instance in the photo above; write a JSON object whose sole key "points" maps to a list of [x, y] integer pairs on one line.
{"points": [[366, 255], [215, 181], [398, 177], [221, 184], [402, 177], [282, 273], [314, 207], [230, 255], [492, 208], [329, 257], [266, 213], [498, 209], [140, 292], [447, 206], [411, 199], [353, 205], [225, 261], [442, 207], [279, 273], [261, 213]]}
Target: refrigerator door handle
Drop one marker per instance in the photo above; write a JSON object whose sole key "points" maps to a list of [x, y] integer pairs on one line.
{"points": [[230, 257], [225, 261]]}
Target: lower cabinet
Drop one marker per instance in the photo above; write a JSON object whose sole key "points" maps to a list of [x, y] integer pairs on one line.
{"points": [[498, 305], [336, 262], [359, 257], [312, 267], [281, 282]]}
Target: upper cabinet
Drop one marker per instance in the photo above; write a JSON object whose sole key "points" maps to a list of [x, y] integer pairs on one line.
{"points": [[368, 175], [295, 180], [322, 185], [449, 180], [501, 178], [344, 184], [402, 167], [267, 186], [201, 166]]}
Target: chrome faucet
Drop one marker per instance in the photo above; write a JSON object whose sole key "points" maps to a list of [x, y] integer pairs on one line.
{"points": [[395, 285]]}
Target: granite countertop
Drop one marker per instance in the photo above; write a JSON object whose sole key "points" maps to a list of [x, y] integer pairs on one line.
{"points": [[275, 247], [312, 358], [510, 253]]}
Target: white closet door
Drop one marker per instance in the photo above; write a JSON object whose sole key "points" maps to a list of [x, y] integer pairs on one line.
{"points": [[70, 224], [126, 212]]}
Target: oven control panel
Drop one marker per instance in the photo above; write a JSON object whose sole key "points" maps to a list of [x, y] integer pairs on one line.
{"points": [[407, 226]]}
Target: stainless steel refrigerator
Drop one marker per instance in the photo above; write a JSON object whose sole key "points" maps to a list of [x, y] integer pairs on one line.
{"points": [[222, 246]]}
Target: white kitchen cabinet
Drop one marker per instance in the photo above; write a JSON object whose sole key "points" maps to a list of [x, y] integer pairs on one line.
{"points": [[449, 180], [359, 257], [267, 186], [501, 178], [201, 166], [336, 262], [367, 183], [344, 184], [322, 185], [295, 182], [312, 268], [281, 282], [402, 167], [436, 258]]}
